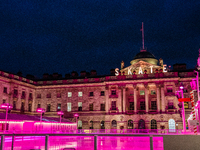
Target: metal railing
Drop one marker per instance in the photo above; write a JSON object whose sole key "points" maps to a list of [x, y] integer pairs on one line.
{"points": [[99, 131]]}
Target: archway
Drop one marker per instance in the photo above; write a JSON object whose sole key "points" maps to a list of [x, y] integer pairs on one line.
{"points": [[141, 124], [153, 124], [130, 124]]}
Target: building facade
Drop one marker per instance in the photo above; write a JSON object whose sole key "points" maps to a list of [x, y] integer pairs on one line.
{"points": [[140, 96]]}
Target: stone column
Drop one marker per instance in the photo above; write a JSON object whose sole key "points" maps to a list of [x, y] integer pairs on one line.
{"points": [[119, 101], [135, 98], [124, 100], [163, 98], [146, 98], [158, 97], [107, 99]]}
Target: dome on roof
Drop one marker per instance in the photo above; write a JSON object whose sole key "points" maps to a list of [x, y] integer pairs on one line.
{"points": [[145, 56]]}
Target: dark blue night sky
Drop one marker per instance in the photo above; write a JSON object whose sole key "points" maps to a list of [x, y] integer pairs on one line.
{"points": [[39, 37]]}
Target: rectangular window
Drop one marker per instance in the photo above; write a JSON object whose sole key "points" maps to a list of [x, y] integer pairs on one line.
{"points": [[91, 107], [69, 94], [22, 107], [80, 94], [23, 95], [5, 90], [38, 106], [153, 105], [169, 90], [30, 96], [38, 95], [185, 91], [153, 92], [4, 101], [113, 105], [91, 94], [29, 107], [48, 107], [113, 92], [102, 107], [79, 106], [14, 105], [142, 105], [102, 93], [170, 105], [49, 95], [69, 107], [59, 107], [15, 94], [131, 105], [58, 95], [142, 92]]}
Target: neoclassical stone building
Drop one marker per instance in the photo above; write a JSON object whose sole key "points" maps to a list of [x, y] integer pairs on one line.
{"points": [[140, 96]]}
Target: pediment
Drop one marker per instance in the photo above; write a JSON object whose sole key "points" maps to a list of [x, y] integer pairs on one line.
{"points": [[141, 64]]}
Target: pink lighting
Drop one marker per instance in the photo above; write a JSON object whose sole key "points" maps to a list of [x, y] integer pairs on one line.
{"points": [[42, 110], [76, 115], [60, 113], [6, 105]]}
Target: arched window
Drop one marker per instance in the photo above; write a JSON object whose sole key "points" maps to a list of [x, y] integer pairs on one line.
{"points": [[114, 124], [102, 125], [130, 124], [79, 124], [172, 125], [141, 124], [91, 124], [153, 124]]}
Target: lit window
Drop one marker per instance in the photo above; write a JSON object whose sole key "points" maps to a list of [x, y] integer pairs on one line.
{"points": [[69, 107], [142, 92], [80, 94], [153, 92], [69, 94], [59, 107]]}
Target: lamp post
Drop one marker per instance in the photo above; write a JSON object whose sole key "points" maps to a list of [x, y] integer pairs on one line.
{"points": [[6, 106], [41, 110], [183, 109], [76, 115], [60, 113]]}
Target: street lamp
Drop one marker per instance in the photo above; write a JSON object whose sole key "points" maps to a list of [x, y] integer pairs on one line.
{"points": [[6, 106], [41, 110], [60, 113], [76, 115], [183, 109]]}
